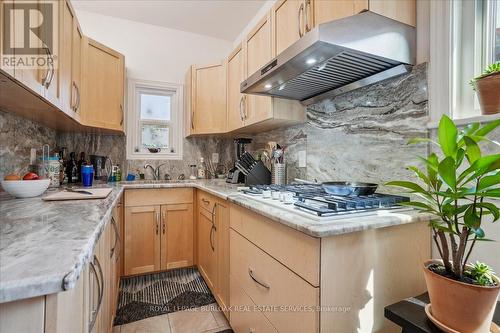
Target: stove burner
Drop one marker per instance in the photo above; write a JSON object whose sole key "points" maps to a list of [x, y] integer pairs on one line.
{"points": [[314, 200]]}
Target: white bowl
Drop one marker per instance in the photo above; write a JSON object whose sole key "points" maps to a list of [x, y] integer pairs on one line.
{"points": [[25, 188]]}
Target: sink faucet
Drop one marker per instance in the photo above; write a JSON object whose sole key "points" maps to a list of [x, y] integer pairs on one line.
{"points": [[156, 171]]}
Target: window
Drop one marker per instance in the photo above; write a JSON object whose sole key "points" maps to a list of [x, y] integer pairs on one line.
{"points": [[154, 120], [464, 39]]}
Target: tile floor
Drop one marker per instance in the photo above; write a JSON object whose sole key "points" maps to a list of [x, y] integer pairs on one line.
{"points": [[205, 319]]}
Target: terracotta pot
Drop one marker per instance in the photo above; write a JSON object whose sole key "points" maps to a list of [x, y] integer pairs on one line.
{"points": [[464, 307], [488, 89]]}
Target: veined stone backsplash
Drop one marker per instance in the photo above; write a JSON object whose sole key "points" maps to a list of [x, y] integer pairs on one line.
{"points": [[19, 135], [361, 135]]}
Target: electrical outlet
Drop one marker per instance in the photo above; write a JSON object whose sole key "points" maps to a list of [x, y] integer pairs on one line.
{"points": [[302, 159], [215, 158]]}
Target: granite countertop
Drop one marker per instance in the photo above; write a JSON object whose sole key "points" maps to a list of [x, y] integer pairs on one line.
{"points": [[44, 246]]}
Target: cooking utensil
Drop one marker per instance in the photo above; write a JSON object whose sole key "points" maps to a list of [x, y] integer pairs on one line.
{"points": [[344, 188], [78, 191]]}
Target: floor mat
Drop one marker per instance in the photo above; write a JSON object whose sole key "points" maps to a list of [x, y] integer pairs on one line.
{"points": [[160, 293]]}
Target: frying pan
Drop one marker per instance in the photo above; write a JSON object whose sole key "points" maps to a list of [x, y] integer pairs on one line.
{"points": [[345, 188]]}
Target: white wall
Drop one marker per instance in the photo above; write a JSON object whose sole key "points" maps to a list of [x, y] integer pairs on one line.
{"points": [[263, 11], [153, 52]]}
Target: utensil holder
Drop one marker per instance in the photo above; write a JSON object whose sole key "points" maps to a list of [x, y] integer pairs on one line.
{"points": [[279, 173]]}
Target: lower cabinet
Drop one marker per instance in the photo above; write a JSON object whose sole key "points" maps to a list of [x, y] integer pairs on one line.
{"points": [[87, 307], [158, 236], [213, 246]]}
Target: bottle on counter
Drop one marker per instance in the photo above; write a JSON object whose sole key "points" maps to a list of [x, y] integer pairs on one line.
{"points": [[53, 170], [118, 176], [72, 168], [81, 162], [62, 166], [201, 169]]}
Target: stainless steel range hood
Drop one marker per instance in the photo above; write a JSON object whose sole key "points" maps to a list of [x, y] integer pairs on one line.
{"points": [[336, 57]]}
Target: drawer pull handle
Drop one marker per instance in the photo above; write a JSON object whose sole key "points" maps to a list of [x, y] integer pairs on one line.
{"points": [[263, 284], [205, 201]]}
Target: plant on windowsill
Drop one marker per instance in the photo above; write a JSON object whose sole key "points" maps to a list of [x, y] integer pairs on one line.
{"points": [[487, 87], [456, 190]]}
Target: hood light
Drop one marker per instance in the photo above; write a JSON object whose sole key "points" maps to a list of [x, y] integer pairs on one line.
{"points": [[268, 86], [311, 61]]}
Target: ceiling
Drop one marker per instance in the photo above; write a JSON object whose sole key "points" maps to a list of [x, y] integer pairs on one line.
{"points": [[223, 19]]}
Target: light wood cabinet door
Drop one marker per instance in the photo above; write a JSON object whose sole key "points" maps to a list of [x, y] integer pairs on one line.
{"points": [[103, 80], [208, 99], [321, 11], [207, 248], [235, 99], [288, 23], [52, 88], [66, 65], [4, 29], [76, 71], [399, 10], [177, 239], [223, 250], [142, 239], [257, 54]]}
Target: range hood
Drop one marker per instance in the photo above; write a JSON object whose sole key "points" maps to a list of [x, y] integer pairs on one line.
{"points": [[336, 57]]}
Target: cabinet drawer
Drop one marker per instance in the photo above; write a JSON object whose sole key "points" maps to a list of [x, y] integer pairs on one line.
{"points": [[160, 196], [206, 201], [269, 283], [245, 317], [286, 245]]}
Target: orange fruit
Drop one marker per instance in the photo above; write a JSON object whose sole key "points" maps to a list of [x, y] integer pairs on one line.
{"points": [[12, 177]]}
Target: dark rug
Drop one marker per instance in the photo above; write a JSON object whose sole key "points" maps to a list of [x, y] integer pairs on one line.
{"points": [[160, 293]]}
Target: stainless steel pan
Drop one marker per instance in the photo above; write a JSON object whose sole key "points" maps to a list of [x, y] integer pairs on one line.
{"points": [[345, 188]]}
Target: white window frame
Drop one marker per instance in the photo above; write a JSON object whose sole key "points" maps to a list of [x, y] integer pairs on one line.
{"points": [[459, 51], [133, 128]]}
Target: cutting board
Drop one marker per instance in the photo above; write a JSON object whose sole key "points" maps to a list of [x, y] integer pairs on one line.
{"points": [[97, 193]]}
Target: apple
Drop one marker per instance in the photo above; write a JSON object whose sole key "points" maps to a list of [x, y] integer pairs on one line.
{"points": [[30, 176]]}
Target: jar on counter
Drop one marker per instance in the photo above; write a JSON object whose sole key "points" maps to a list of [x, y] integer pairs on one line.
{"points": [[53, 167]]}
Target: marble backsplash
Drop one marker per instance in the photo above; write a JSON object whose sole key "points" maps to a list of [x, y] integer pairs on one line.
{"points": [[19, 135], [361, 135]]}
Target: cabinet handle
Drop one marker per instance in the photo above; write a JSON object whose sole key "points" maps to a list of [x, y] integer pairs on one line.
{"points": [[117, 237], [157, 222], [192, 120], [211, 240], [121, 120], [45, 80], [241, 106], [214, 212], [73, 98], [163, 221], [205, 201], [245, 115], [100, 293], [263, 284], [299, 16], [77, 106], [307, 11]]}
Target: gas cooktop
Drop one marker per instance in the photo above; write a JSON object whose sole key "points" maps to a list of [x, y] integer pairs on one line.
{"points": [[314, 202]]}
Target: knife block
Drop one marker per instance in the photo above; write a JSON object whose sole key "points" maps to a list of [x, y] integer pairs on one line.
{"points": [[258, 175]]}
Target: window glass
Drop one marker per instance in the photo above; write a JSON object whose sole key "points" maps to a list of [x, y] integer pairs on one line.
{"points": [[155, 107], [155, 136], [497, 33]]}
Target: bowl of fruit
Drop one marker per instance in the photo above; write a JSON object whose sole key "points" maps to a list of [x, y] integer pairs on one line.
{"points": [[26, 187]]}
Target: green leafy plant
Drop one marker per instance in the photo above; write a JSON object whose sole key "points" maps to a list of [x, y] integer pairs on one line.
{"points": [[454, 187], [482, 274], [491, 69]]}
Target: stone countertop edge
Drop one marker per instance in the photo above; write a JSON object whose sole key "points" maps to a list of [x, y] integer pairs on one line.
{"points": [[48, 284]]}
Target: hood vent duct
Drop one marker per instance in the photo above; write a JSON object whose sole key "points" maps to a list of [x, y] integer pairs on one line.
{"points": [[337, 57]]}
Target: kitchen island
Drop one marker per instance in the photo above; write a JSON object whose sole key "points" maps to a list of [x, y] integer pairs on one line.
{"points": [[359, 263]]}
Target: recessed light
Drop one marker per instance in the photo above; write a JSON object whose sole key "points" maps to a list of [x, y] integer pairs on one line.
{"points": [[268, 86], [311, 61]]}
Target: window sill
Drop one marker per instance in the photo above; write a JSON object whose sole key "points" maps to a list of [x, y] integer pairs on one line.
{"points": [[468, 120], [151, 156]]}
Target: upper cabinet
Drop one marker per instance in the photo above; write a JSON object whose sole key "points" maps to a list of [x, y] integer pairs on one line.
{"points": [[235, 99], [102, 83], [83, 78], [205, 100], [289, 23]]}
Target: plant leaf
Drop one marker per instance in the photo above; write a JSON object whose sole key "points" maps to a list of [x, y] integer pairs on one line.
{"points": [[490, 207], [419, 205], [413, 141], [488, 181], [447, 170], [420, 174], [409, 185], [487, 128], [447, 134], [471, 219], [495, 193], [473, 153]]}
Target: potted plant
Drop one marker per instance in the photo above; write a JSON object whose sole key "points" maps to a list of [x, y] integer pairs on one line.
{"points": [[456, 189], [487, 87]]}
